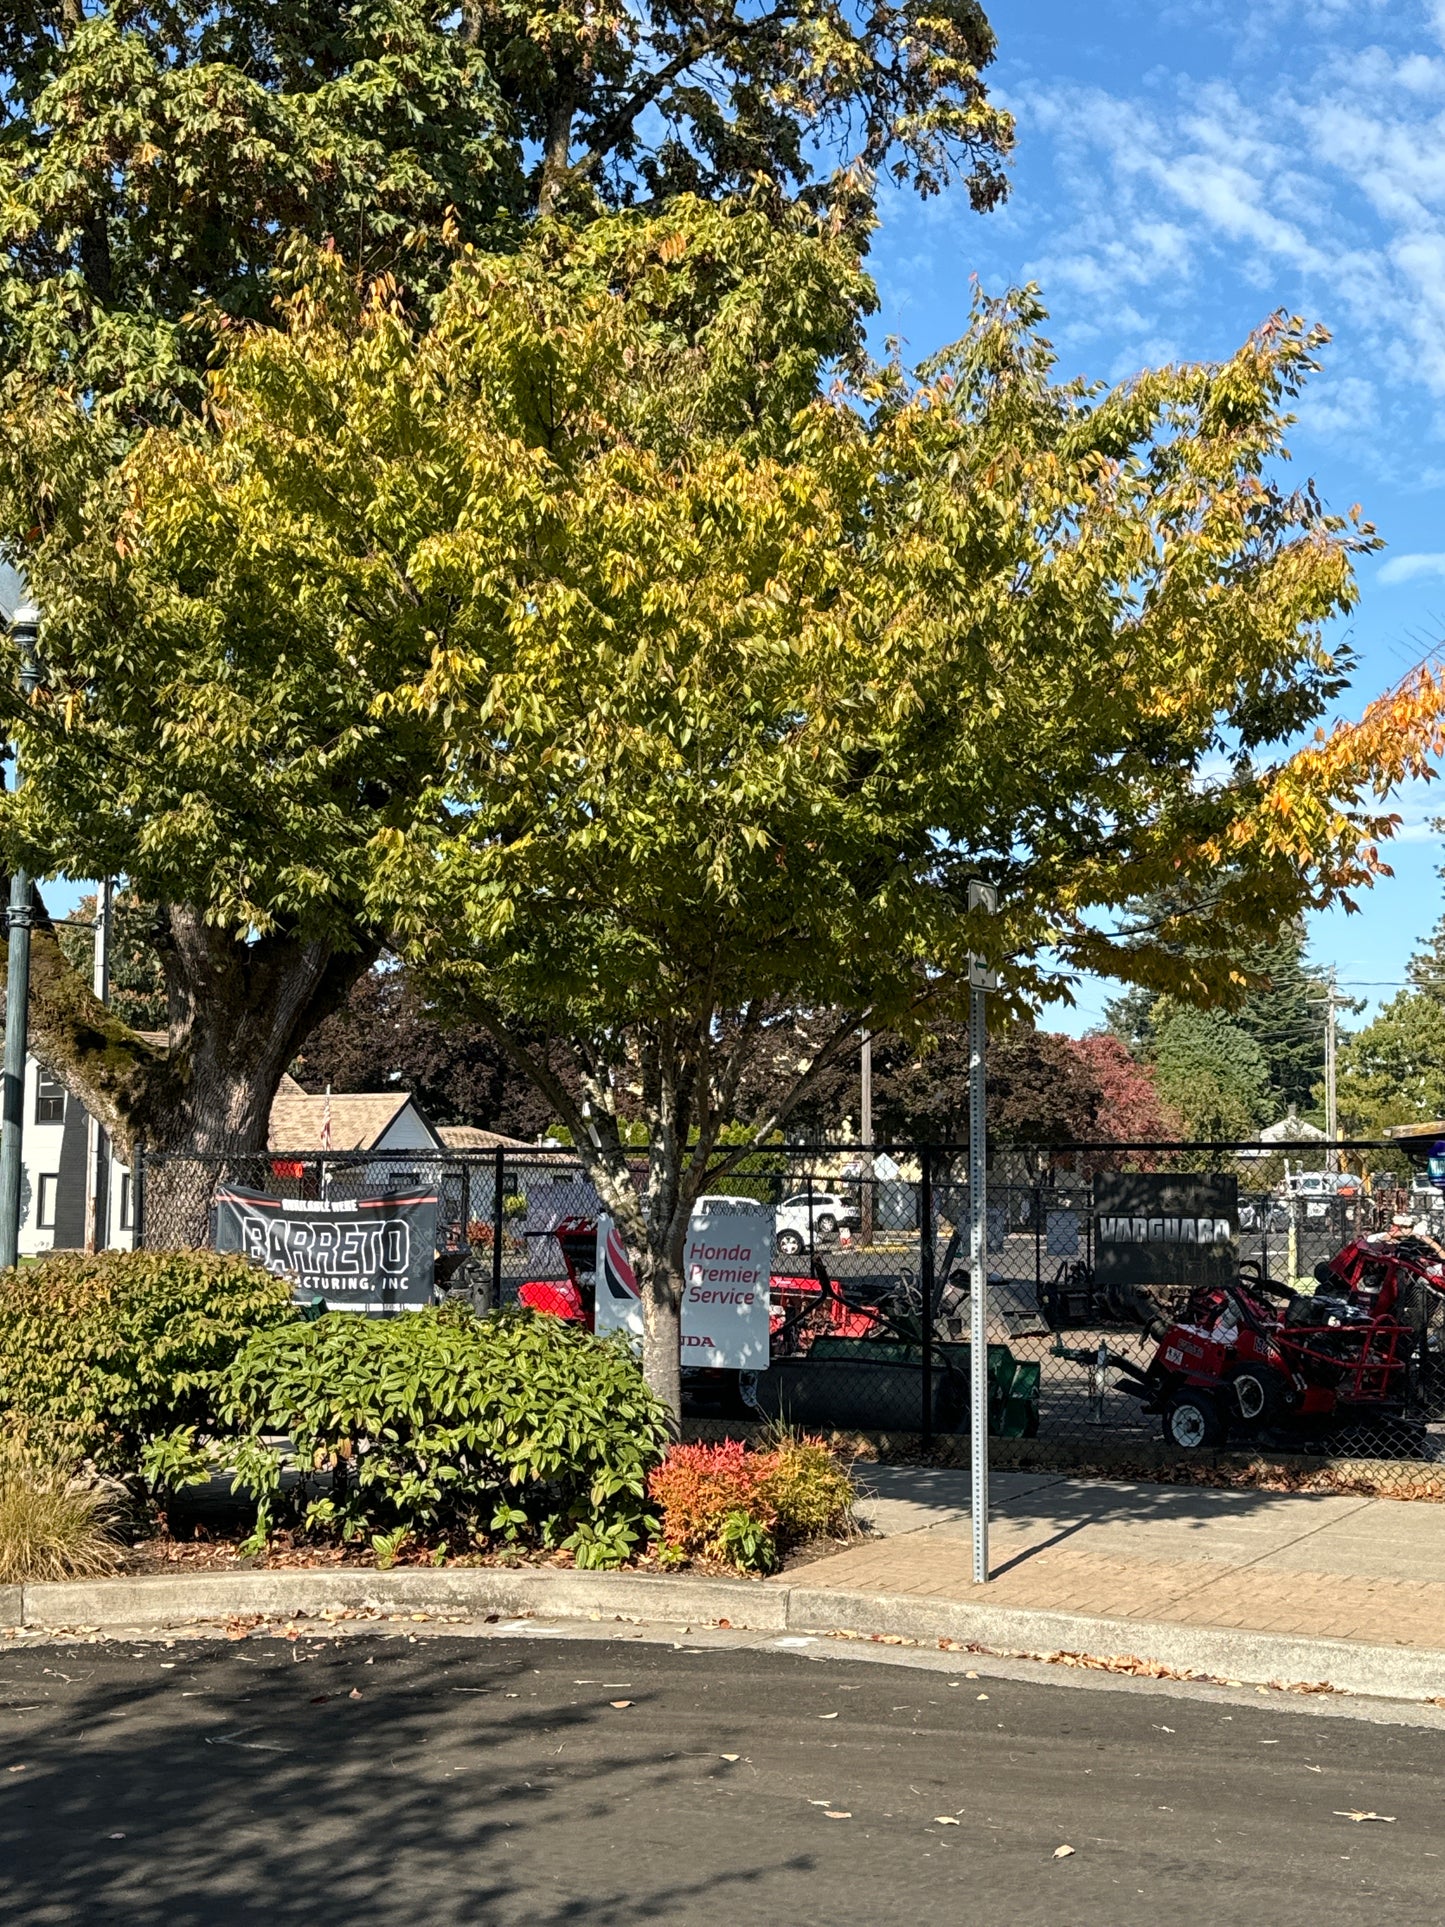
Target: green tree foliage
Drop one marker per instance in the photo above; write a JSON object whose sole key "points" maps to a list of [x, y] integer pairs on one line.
{"points": [[166, 171], [159, 161], [1392, 1071], [1210, 1070], [1276, 1000], [782, 670], [137, 980]]}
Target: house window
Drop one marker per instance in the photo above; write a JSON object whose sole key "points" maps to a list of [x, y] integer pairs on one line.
{"points": [[125, 1205], [49, 1099], [45, 1210]]}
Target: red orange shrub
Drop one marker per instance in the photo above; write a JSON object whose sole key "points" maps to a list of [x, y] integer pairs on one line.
{"points": [[728, 1503]]}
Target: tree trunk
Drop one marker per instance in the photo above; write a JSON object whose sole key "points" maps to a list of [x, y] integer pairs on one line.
{"points": [[238, 1014], [557, 144], [660, 1279]]}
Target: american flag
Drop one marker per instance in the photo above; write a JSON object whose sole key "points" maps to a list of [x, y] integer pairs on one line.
{"points": [[326, 1121]]}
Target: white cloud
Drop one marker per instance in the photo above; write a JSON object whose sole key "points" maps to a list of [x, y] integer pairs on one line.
{"points": [[1409, 568], [1322, 188]]}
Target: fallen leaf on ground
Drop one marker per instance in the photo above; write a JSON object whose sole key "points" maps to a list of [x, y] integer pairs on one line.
{"points": [[728, 1756], [970, 1676], [619, 1704], [834, 1814], [983, 1696], [18, 1768], [944, 1820], [1355, 1813], [820, 1803], [1062, 1853], [827, 1716], [355, 1693]]}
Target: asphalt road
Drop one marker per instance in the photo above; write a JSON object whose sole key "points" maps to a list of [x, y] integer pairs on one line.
{"points": [[494, 1781]]}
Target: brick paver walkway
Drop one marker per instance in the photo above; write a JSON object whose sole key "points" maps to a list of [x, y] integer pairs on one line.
{"points": [[1326, 1569]]}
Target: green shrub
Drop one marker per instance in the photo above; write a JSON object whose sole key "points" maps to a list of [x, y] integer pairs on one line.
{"points": [[53, 1525], [102, 1354], [451, 1429], [809, 1490]]}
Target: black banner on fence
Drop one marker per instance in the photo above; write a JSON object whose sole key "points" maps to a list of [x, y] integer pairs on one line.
{"points": [[1174, 1229], [359, 1254]]}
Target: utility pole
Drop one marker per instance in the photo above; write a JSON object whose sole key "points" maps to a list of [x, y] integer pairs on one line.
{"points": [[97, 1162], [1332, 1115], [865, 1122], [981, 979], [25, 625]]}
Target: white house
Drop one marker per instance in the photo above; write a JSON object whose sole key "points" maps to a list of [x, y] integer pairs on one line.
{"points": [[67, 1172]]}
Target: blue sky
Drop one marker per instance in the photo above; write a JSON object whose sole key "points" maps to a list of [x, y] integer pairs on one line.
{"points": [[1183, 170]]}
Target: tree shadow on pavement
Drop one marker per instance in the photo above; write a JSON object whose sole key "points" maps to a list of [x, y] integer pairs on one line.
{"points": [[269, 1794]]}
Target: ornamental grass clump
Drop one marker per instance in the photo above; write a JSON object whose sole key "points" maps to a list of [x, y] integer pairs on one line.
{"points": [[119, 1352], [747, 1509], [54, 1524], [449, 1432]]}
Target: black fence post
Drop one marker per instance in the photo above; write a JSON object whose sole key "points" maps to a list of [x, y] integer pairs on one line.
{"points": [[497, 1221], [925, 1283], [138, 1207]]}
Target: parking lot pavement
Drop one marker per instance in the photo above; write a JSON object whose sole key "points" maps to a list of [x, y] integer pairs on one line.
{"points": [[371, 1780]]}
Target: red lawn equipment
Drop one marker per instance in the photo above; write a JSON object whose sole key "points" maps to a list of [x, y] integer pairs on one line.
{"points": [[1257, 1360]]}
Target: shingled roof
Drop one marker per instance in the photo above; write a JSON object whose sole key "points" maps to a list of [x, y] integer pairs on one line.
{"points": [[358, 1119], [471, 1137]]}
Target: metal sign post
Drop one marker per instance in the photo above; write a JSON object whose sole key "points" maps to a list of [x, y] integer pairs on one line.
{"points": [[26, 627], [981, 896]]}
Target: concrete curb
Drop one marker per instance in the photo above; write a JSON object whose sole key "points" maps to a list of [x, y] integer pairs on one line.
{"points": [[1391, 1672], [1249, 1658], [173, 1601]]}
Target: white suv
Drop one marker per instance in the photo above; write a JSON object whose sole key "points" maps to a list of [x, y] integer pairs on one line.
{"points": [[830, 1212]]}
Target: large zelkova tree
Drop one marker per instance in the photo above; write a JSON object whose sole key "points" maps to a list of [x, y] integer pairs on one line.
{"points": [[222, 725], [793, 665], [653, 672]]}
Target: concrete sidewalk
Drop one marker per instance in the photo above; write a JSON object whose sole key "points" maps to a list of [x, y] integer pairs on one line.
{"points": [[1308, 1566]]}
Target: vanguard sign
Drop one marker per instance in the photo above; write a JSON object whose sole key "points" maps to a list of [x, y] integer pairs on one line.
{"points": [[1156, 1228], [359, 1254], [727, 1263]]}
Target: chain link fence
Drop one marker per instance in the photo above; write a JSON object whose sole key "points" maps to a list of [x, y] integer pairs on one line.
{"points": [[1141, 1299]]}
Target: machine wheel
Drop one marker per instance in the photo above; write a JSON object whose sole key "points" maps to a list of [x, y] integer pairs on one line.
{"points": [[790, 1243], [1192, 1421], [1255, 1397], [826, 1226]]}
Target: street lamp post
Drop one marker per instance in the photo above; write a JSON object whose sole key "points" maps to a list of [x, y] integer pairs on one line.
{"points": [[26, 627]]}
